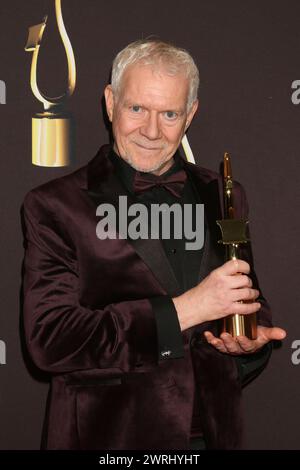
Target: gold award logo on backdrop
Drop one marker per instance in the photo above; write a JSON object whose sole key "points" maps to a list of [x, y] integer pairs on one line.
{"points": [[52, 129]]}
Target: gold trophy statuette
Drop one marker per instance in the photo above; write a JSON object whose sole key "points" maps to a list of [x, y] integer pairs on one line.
{"points": [[52, 129], [233, 234]]}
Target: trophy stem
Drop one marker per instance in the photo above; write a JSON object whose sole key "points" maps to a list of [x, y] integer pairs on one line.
{"points": [[233, 234], [238, 325]]}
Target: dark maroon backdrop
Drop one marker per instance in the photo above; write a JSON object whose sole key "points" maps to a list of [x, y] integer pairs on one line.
{"points": [[248, 54]]}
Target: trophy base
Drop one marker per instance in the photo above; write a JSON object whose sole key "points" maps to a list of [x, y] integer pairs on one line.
{"points": [[51, 140], [239, 325]]}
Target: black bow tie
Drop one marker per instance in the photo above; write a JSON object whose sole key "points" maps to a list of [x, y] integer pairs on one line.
{"points": [[173, 183]]}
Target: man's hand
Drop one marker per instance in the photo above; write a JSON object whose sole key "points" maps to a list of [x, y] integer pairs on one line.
{"points": [[243, 345], [218, 295]]}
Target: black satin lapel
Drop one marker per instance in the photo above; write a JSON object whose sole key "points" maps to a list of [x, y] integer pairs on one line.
{"points": [[150, 250], [213, 252]]}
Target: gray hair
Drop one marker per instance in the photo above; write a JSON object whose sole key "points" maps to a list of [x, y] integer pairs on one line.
{"points": [[156, 52]]}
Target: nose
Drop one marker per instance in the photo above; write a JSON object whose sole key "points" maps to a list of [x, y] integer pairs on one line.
{"points": [[151, 127]]}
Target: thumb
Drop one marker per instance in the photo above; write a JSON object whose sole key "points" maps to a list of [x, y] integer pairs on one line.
{"points": [[274, 333]]}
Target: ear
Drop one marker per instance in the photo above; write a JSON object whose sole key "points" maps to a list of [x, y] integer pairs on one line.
{"points": [[109, 100], [191, 113]]}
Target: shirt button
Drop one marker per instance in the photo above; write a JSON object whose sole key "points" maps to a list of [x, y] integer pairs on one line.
{"points": [[173, 251]]}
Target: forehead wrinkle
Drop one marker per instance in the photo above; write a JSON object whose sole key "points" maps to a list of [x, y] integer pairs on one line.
{"points": [[156, 100], [130, 102], [150, 93]]}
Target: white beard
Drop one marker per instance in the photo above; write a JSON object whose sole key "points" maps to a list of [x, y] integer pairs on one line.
{"points": [[140, 168]]}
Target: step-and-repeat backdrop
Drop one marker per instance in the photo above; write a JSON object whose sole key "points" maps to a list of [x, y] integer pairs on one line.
{"points": [[248, 54]]}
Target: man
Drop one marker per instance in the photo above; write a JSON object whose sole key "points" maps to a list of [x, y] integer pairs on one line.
{"points": [[126, 325]]}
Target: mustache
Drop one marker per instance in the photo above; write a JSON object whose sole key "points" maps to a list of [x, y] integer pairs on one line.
{"points": [[148, 145]]}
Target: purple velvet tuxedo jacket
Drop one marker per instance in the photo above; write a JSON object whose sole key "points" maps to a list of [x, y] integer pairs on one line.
{"points": [[89, 322]]}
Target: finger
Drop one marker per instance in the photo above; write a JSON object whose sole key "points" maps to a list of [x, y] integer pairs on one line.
{"points": [[247, 345], [219, 345], [215, 342], [239, 280], [245, 308], [264, 335], [244, 294], [270, 334], [231, 345], [235, 266], [209, 336]]}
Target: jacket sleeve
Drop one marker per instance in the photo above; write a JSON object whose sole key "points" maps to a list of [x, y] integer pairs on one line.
{"points": [[251, 365], [61, 334], [169, 336]]}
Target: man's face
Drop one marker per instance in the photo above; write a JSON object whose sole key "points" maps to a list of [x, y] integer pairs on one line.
{"points": [[149, 117]]}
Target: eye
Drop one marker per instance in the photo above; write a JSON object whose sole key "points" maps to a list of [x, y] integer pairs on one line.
{"points": [[171, 115], [136, 108]]}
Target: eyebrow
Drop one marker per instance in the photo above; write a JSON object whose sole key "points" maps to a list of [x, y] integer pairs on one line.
{"points": [[136, 103]]}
